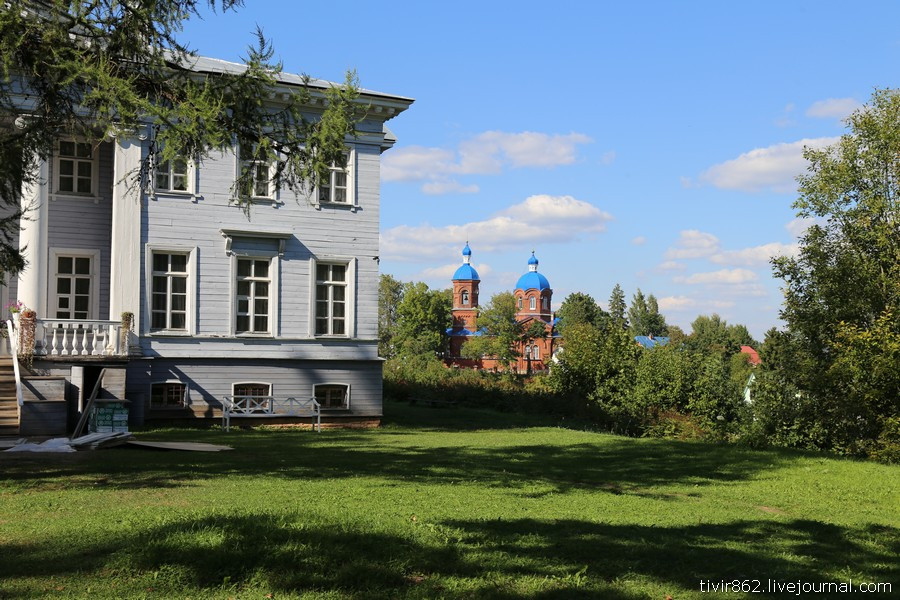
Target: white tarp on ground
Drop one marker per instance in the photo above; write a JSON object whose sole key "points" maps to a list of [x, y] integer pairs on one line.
{"points": [[54, 445]]}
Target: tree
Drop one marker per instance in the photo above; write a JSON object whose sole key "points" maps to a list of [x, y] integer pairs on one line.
{"points": [[709, 333], [844, 284], [579, 308], [644, 316], [423, 316], [617, 307], [92, 69], [390, 293]]}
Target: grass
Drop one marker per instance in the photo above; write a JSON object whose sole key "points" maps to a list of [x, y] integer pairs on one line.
{"points": [[451, 503]]}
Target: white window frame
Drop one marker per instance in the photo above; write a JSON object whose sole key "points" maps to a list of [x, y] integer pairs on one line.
{"points": [[238, 166], [191, 179], [532, 303], [94, 255], [274, 296], [536, 352], [350, 312], [237, 383], [352, 197], [340, 383], [190, 308], [185, 401], [94, 194]]}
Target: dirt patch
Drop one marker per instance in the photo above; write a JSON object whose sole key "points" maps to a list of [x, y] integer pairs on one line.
{"points": [[771, 510]]}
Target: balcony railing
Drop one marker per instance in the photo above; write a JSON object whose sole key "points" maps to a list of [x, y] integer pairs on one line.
{"points": [[61, 337]]}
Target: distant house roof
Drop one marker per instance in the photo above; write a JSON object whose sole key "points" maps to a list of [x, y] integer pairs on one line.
{"points": [[752, 354], [651, 342]]}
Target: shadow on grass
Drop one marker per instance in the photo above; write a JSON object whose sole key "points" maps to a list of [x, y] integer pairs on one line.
{"points": [[596, 462], [483, 559]]}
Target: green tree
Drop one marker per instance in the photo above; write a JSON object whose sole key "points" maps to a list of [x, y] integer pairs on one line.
{"points": [[423, 316], [89, 69], [579, 308], [656, 321], [644, 316], [576, 371], [617, 307], [844, 284], [390, 293], [615, 377], [503, 334], [709, 333]]}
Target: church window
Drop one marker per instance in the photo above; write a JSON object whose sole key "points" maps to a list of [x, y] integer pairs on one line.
{"points": [[536, 352], [533, 303], [520, 302], [544, 302], [465, 297]]}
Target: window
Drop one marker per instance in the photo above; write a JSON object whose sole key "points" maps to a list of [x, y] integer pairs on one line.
{"points": [[252, 396], [169, 290], [76, 168], [532, 303], [73, 281], [545, 303], [260, 181], [520, 302], [252, 390], [465, 297], [253, 298], [173, 176], [171, 394], [332, 395], [536, 352], [336, 188], [331, 299]]}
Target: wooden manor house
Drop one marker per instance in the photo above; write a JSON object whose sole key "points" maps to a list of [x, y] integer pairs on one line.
{"points": [[533, 296], [280, 306]]}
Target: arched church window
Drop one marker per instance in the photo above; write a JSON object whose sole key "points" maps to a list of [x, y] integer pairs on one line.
{"points": [[520, 301], [536, 352], [465, 297], [533, 303], [544, 302]]}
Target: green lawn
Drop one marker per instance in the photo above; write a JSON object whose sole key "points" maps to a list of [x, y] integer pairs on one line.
{"points": [[439, 503]]}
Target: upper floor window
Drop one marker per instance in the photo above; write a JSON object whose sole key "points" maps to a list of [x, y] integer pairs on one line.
{"points": [[253, 295], [532, 303], [465, 297], [259, 183], [331, 299], [545, 303], [520, 302], [173, 176], [76, 168], [336, 187], [169, 289]]}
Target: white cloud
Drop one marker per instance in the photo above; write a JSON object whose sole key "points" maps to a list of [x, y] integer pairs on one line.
{"points": [[445, 272], [487, 153], [693, 244], [833, 108], [671, 265], [772, 168], [608, 158], [755, 256], [639, 240], [437, 188], [540, 217], [721, 277], [798, 227], [676, 303]]}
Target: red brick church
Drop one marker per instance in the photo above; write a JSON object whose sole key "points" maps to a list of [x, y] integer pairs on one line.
{"points": [[533, 295]]}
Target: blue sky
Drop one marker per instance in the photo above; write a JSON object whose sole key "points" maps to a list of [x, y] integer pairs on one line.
{"points": [[649, 144]]}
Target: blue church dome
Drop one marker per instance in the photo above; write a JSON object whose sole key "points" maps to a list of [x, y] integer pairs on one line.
{"points": [[465, 272], [532, 279]]}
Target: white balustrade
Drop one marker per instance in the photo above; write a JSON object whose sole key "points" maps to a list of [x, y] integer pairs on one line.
{"points": [[64, 337]]}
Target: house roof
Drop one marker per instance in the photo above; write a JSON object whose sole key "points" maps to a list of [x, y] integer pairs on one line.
{"points": [[651, 342], [752, 354], [206, 64]]}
